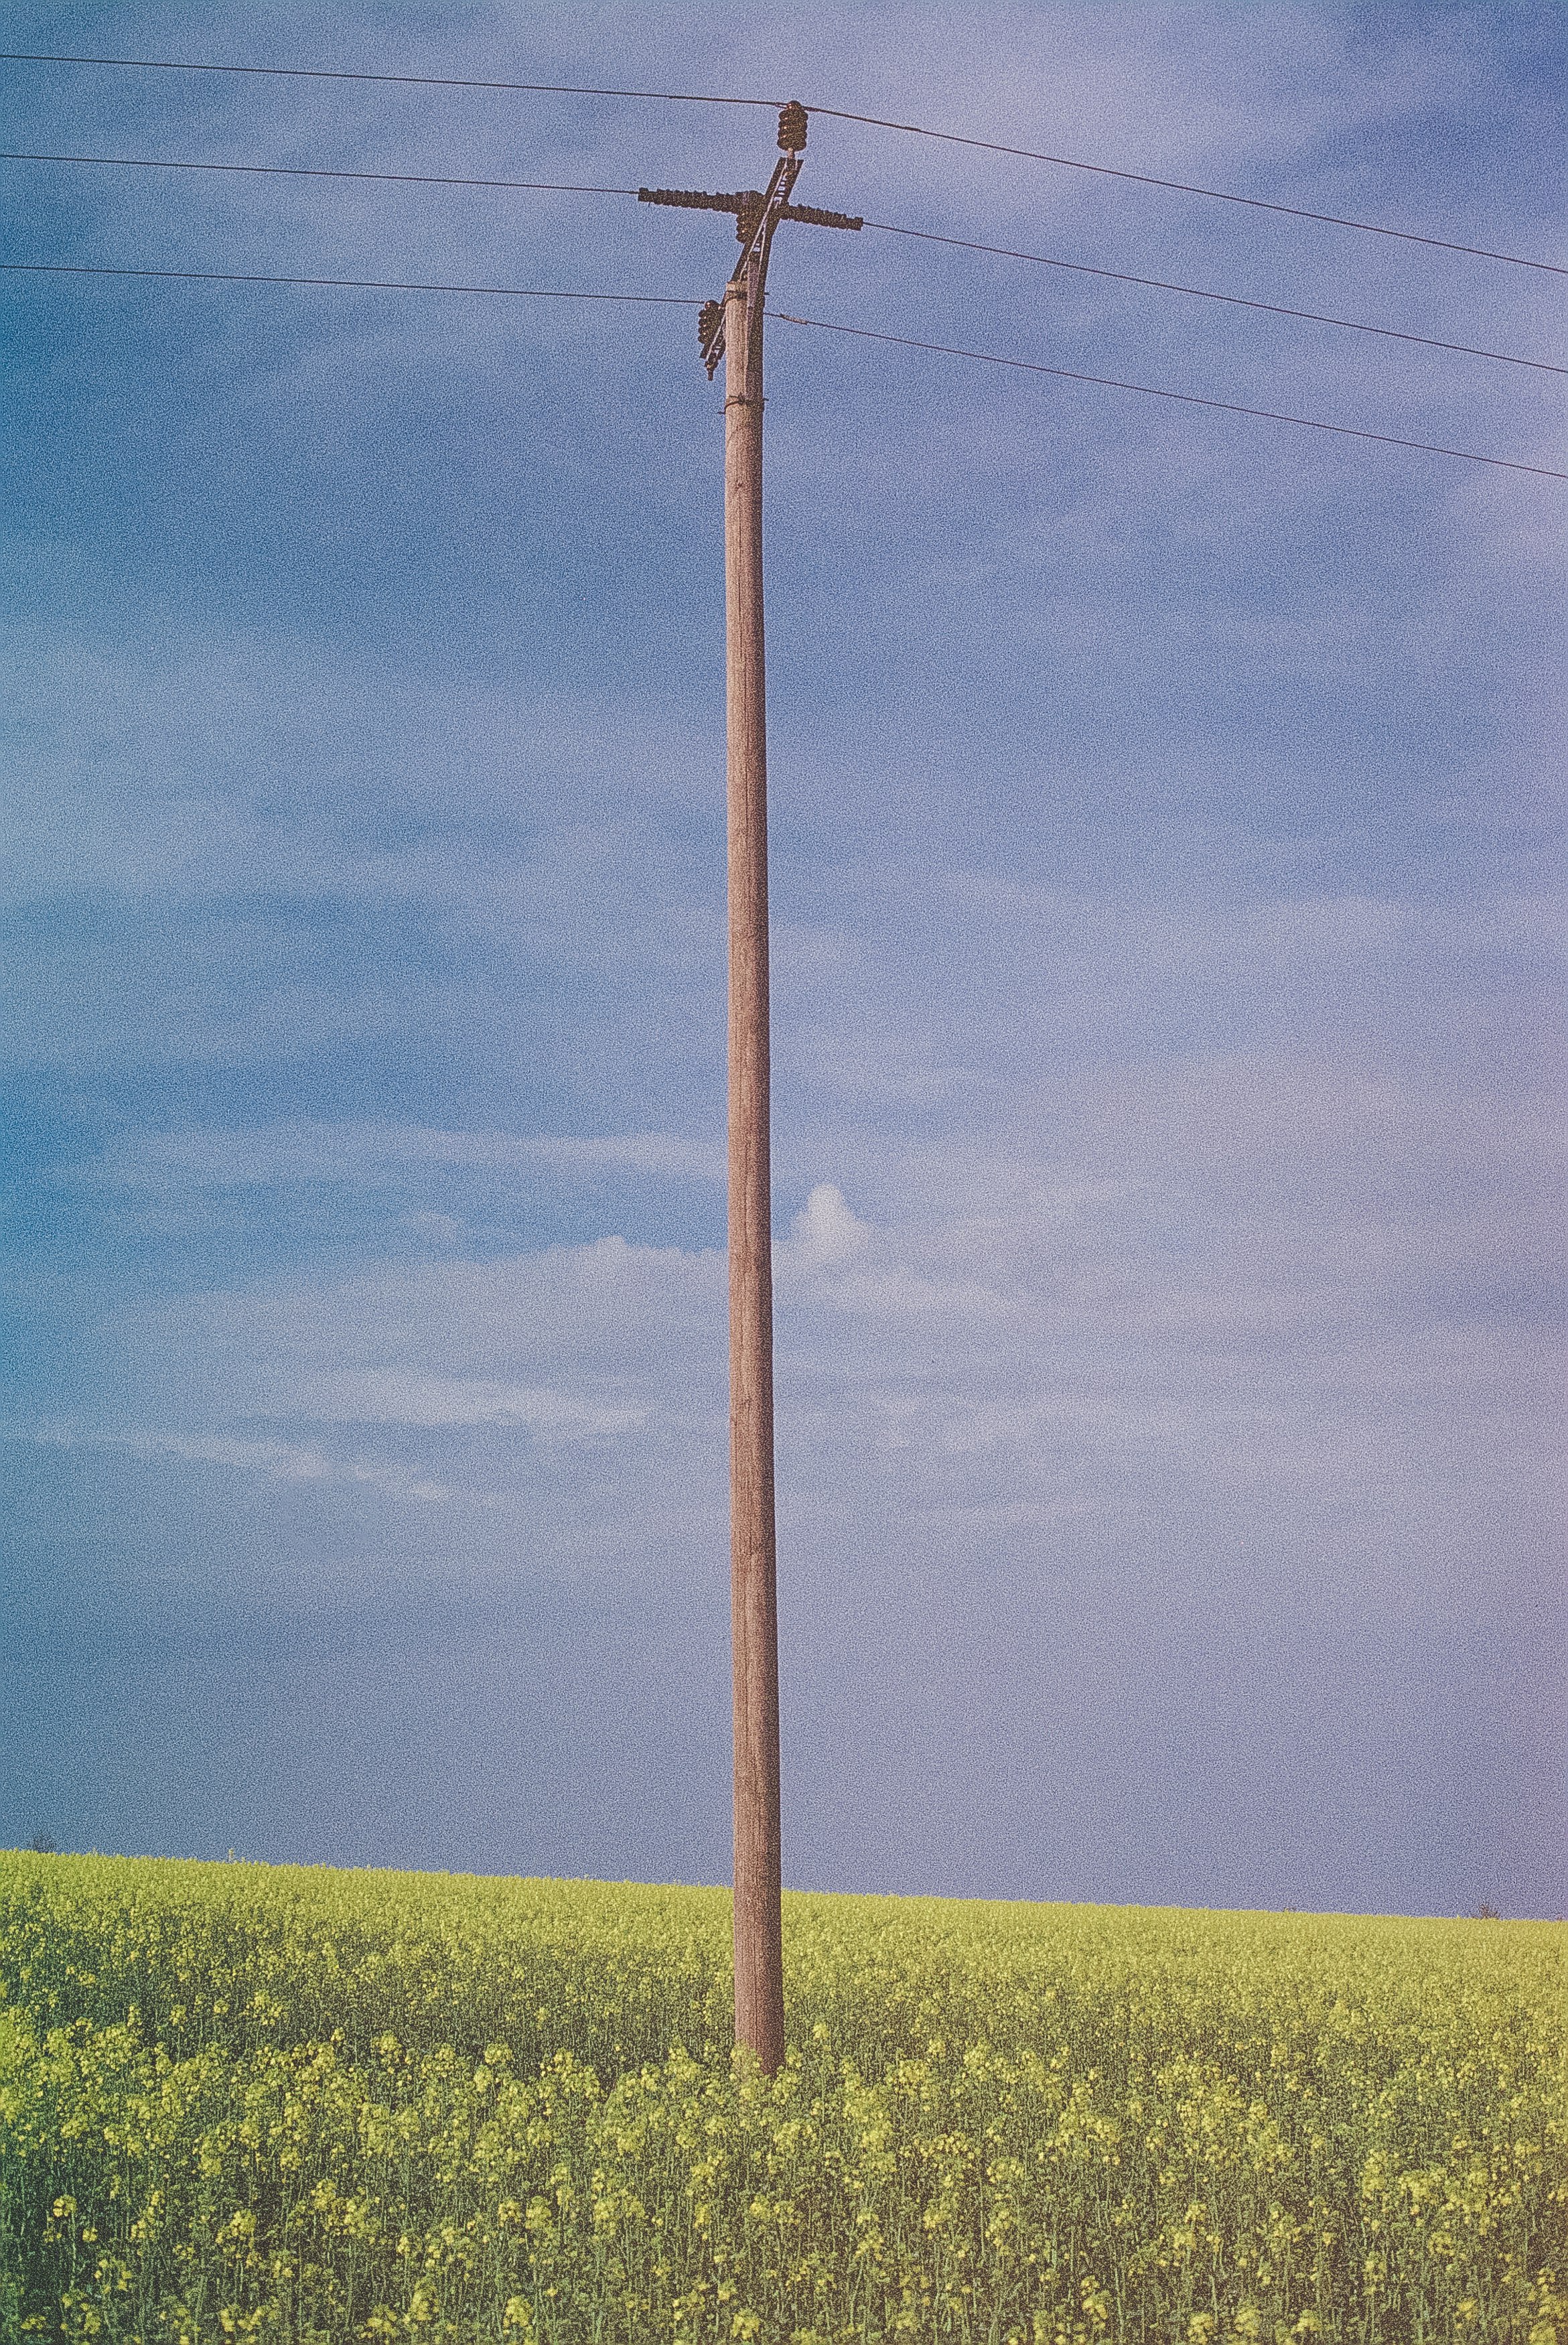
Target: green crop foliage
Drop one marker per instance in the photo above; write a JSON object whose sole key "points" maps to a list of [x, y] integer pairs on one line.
{"points": [[306, 2107]]}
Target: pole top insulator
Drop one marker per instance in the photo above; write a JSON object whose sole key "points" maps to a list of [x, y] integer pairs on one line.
{"points": [[792, 127]]}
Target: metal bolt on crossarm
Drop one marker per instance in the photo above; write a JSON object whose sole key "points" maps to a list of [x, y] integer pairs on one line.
{"points": [[731, 331]]}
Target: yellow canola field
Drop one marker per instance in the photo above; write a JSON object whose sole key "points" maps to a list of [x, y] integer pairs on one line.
{"points": [[299, 2105]]}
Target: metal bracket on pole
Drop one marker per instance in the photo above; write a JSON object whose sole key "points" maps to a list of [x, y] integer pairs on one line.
{"points": [[758, 212]]}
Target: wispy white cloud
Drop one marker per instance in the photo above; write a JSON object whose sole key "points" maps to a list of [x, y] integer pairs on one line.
{"points": [[392, 1396], [317, 1150], [170, 771], [283, 1461], [1281, 1282]]}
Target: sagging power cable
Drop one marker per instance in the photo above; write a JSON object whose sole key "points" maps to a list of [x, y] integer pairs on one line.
{"points": [[887, 228], [1153, 390], [827, 113], [355, 284]]}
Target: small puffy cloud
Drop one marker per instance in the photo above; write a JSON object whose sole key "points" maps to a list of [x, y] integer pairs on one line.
{"points": [[824, 1233]]}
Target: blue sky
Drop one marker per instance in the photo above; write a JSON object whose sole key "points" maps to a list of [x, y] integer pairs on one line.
{"points": [[1167, 931]]}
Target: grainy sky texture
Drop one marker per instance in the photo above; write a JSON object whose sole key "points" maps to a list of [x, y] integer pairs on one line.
{"points": [[1167, 960]]}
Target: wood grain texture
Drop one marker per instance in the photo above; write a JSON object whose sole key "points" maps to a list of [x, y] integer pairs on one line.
{"points": [[753, 1614]]}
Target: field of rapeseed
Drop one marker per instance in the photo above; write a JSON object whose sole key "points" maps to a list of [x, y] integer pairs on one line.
{"points": [[313, 2106]]}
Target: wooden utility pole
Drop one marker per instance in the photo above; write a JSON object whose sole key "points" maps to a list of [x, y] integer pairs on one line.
{"points": [[732, 330], [753, 1600]]}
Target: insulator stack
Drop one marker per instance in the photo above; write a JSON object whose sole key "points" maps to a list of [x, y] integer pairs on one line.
{"points": [[792, 127], [692, 200], [817, 218]]}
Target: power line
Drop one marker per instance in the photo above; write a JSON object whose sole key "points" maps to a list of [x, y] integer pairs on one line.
{"points": [[317, 172], [823, 325], [1186, 187], [1202, 293], [889, 227], [412, 81], [828, 112], [358, 284], [1150, 390]]}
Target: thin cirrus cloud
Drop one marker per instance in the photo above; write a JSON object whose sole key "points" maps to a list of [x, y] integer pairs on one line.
{"points": [[388, 1396], [282, 1461], [322, 1151]]}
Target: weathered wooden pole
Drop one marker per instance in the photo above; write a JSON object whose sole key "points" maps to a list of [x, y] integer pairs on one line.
{"points": [[753, 1595], [732, 331]]}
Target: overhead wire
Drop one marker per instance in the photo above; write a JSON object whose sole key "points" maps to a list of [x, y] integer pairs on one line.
{"points": [[1152, 391], [827, 113], [1188, 188], [888, 228], [317, 171], [402, 285], [1205, 293], [358, 284], [823, 325], [412, 81]]}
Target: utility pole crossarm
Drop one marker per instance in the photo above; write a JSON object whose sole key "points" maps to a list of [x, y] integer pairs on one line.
{"points": [[694, 200], [757, 213], [732, 330]]}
